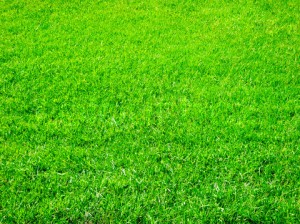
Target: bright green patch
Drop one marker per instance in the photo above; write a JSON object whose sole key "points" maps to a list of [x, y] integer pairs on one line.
{"points": [[161, 111]]}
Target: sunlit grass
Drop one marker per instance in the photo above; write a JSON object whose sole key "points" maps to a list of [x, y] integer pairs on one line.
{"points": [[149, 111]]}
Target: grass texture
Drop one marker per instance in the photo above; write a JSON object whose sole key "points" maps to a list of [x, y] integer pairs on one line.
{"points": [[156, 111]]}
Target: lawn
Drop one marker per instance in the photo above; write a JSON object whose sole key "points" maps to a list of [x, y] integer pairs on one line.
{"points": [[156, 111]]}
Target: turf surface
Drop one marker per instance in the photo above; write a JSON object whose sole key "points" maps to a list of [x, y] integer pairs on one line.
{"points": [[162, 111]]}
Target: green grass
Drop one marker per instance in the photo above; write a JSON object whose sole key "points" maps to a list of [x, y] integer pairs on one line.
{"points": [[157, 111]]}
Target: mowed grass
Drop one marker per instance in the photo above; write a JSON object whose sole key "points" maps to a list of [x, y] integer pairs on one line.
{"points": [[157, 111]]}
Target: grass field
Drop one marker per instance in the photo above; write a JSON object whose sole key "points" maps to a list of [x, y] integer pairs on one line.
{"points": [[156, 111]]}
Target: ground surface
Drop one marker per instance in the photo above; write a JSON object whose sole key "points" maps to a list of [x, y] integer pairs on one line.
{"points": [[149, 111]]}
